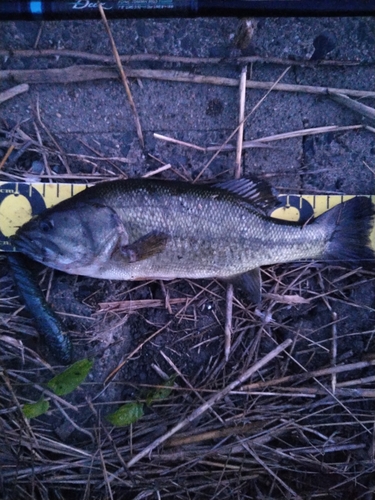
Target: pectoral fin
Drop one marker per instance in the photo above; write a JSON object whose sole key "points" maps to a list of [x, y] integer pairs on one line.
{"points": [[250, 284], [149, 245]]}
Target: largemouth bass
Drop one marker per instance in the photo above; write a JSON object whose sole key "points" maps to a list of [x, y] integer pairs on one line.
{"points": [[141, 229]]}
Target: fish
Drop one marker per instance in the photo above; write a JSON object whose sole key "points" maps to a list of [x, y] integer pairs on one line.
{"points": [[143, 229]]}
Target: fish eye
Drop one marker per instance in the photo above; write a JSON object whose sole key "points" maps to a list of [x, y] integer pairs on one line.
{"points": [[46, 225]]}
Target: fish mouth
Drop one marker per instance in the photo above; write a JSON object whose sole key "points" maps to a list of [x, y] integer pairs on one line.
{"points": [[36, 249]]}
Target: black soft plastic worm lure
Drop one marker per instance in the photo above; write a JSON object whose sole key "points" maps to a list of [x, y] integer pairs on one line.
{"points": [[48, 324]]}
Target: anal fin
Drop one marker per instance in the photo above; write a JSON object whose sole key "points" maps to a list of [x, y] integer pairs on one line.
{"points": [[250, 284]]}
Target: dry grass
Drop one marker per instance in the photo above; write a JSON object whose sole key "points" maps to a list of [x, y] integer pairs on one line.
{"points": [[268, 431], [268, 422]]}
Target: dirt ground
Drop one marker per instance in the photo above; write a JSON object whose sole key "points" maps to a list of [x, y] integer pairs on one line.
{"points": [[310, 435]]}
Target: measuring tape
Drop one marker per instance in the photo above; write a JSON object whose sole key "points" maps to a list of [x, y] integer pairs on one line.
{"points": [[20, 201]]}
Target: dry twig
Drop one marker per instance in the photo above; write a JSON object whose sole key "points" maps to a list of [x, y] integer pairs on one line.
{"points": [[12, 92], [93, 72], [212, 401], [122, 74], [127, 58], [237, 175]]}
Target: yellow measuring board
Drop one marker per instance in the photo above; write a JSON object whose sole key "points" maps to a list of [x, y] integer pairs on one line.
{"points": [[20, 201]]}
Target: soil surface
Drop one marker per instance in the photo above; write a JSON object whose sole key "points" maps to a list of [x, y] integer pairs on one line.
{"points": [[331, 322]]}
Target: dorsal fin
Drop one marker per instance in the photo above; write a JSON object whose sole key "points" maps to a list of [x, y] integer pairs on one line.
{"points": [[255, 191]]}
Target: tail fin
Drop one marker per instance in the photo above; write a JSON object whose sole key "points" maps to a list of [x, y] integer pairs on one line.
{"points": [[350, 239]]}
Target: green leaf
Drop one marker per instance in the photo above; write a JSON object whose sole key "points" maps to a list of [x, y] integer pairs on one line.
{"points": [[71, 378], [126, 414], [33, 410], [161, 393]]}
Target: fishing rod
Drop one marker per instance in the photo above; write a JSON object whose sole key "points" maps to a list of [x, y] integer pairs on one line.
{"points": [[88, 9]]}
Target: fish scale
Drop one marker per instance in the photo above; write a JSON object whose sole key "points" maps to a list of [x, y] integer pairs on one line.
{"points": [[214, 234], [149, 229]]}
